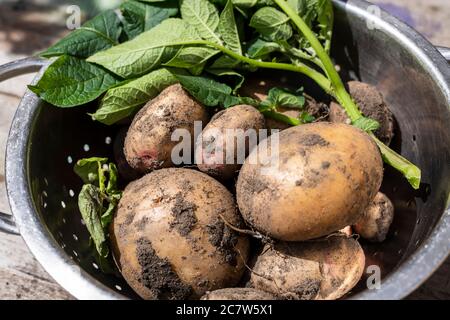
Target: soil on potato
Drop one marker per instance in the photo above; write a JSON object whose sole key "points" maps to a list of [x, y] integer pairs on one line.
{"points": [[224, 239], [157, 274], [183, 212]]}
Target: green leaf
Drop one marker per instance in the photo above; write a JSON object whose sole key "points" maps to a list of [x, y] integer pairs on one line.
{"points": [[236, 77], [100, 33], [305, 117], [139, 17], [90, 203], [284, 98], [318, 15], [209, 92], [272, 24], [113, 175], [123, 101], [191, 57], [89, 169], [70, 82], [147, 51], [228, 29], [366, 124], [280, 117], [224, 62], [108, 216], [204, 16], [260, 49]]}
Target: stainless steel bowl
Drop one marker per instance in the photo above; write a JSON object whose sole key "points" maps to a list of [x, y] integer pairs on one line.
{"points": [[413, 76]]}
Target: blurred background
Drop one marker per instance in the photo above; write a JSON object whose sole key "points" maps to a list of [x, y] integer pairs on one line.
{"points": [[30, 26]]}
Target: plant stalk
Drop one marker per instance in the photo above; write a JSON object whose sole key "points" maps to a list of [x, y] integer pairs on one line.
{"points": [[319, 78]]}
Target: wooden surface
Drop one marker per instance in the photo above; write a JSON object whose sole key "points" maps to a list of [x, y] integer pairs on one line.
{"points": [[24, 30]]}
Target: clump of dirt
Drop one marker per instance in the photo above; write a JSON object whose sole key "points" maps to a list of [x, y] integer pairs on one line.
{"points": [[184, 218], [224, 239], [141, 224], [307, 290], [312, 140], [158, 276]]}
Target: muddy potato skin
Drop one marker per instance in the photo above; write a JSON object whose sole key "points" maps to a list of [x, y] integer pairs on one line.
{"points": [[377, 219], [327, 174], [168, 237], [211, 152], [238, 294], [323, 269], [148, 144], [372, 105]]}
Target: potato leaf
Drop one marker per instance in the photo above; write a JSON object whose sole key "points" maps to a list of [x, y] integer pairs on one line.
{"points": [[100, 33], [113, 175], [70, 82], [108, 215], [285, 98], [245, 4], [139, 17], [260, 49], [203, 16], [236, 77], [89, 169], [90, 203], [123, 101], [209, 92], [305, 117], [366, 124], [272, 24], [228, 29], [318, 15], [98, 198], [147, 51], [192, 57]]}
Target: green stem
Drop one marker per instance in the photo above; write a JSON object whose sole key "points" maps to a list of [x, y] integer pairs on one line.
{"points": [[282, 117], [341, 93], [409, 170], [319, 78]]}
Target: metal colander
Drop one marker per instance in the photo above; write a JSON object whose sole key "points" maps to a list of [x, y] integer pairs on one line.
{"points": [[45, 142]]}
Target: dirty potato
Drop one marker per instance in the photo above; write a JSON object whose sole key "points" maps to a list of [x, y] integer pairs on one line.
{"points": [[317, 180], [169, 236], [375, 223], [323, 269], [148, 144], [221, 149]]}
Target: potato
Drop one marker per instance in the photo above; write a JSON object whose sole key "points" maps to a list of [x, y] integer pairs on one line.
{"points": [[126, 172], [148, 144], [212, 148], [324, 269], [372, 105], [319, 180], [377, 219], [238, 294], [169, 239]]}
